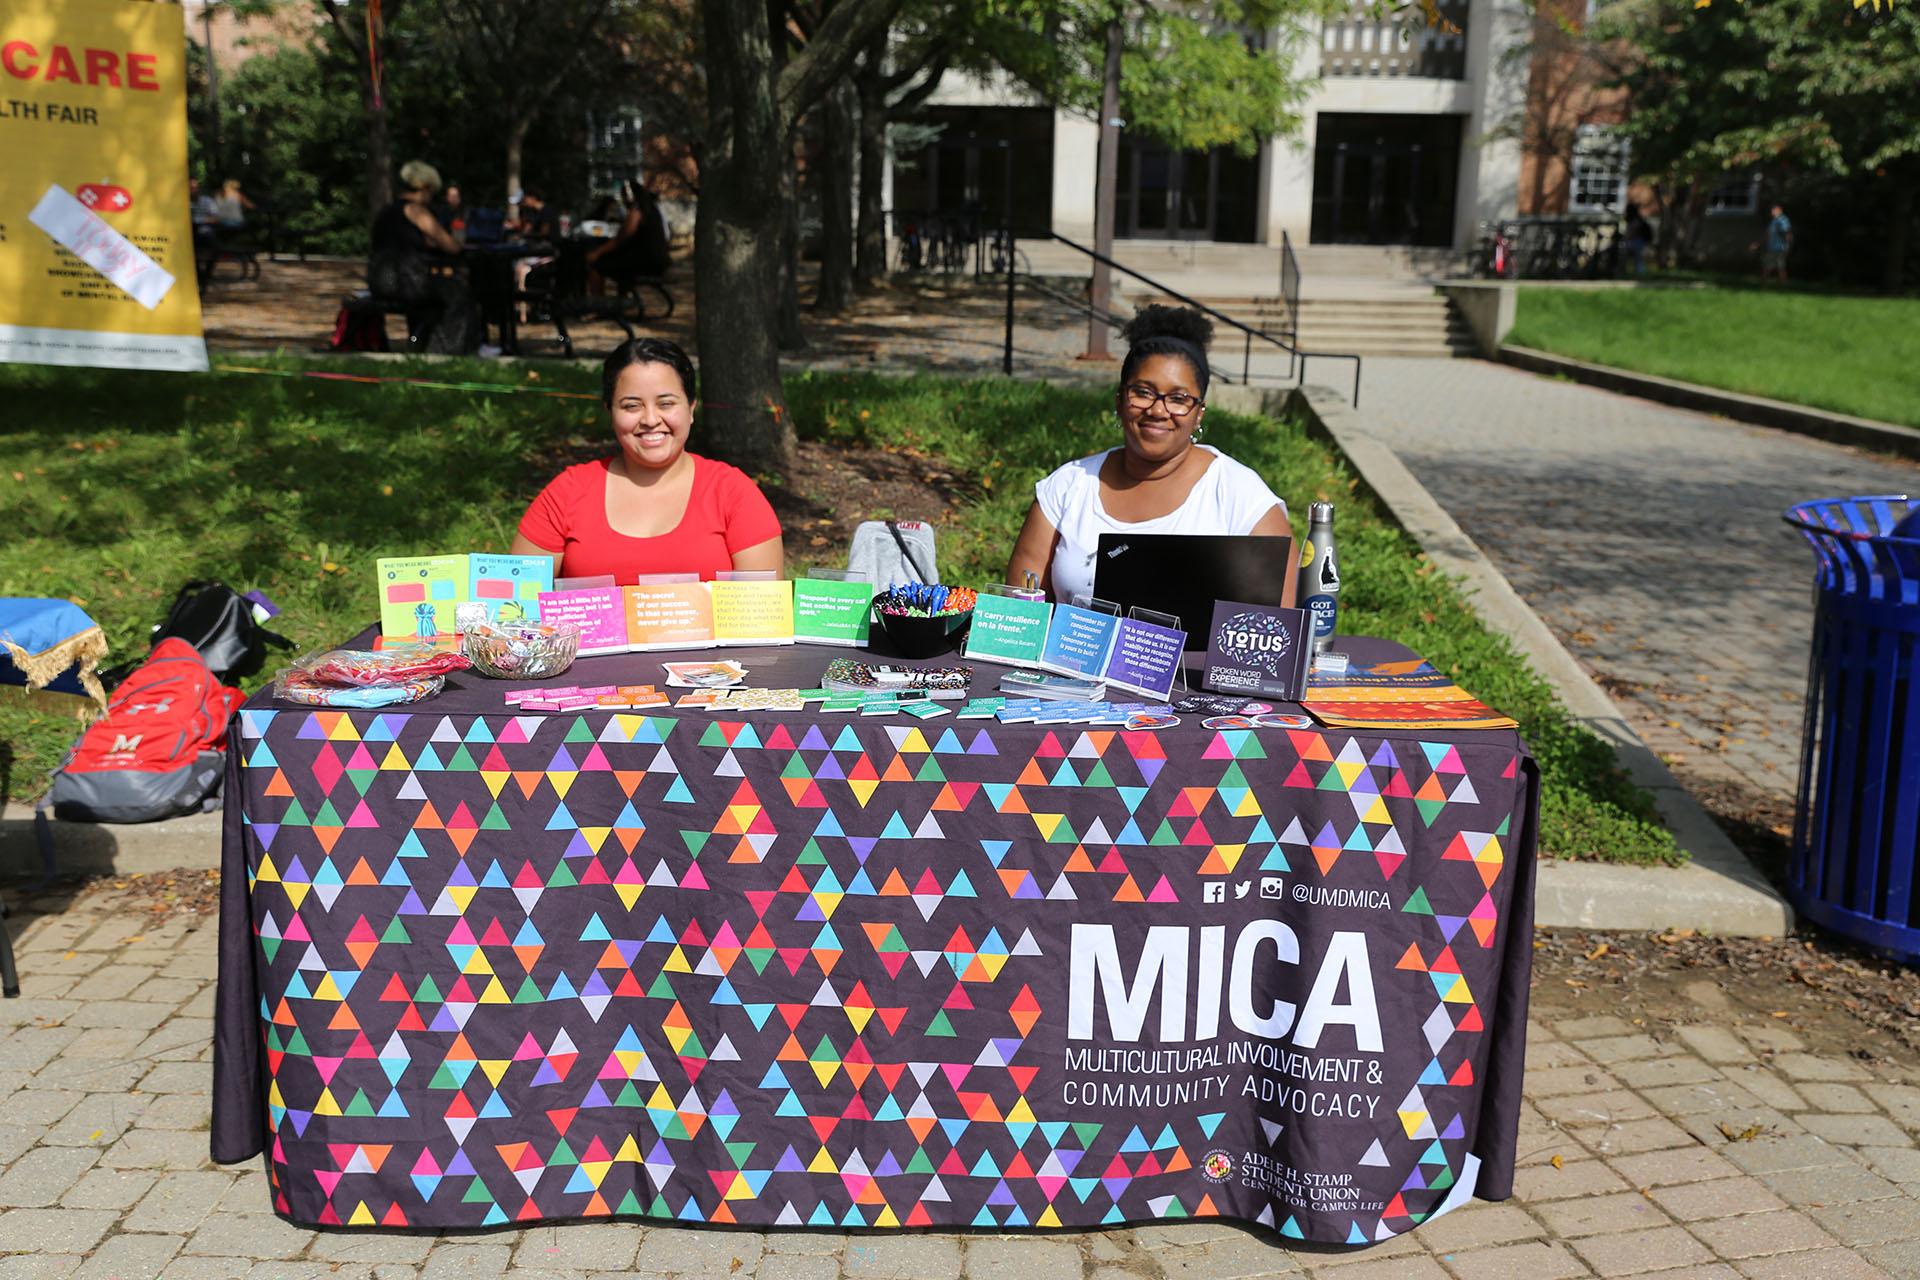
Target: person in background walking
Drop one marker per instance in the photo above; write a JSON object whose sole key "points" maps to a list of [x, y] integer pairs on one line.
{"points": [[1773, 261], [1639, 238]]}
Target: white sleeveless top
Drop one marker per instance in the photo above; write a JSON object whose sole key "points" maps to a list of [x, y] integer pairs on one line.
{"points": [[1230, 498]]}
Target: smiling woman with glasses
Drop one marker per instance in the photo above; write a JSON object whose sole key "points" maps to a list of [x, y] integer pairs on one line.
{"points": [[1160, 479]]}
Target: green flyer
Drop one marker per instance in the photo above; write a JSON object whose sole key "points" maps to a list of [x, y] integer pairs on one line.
{"points": [[1008, 629], [827, 611]]}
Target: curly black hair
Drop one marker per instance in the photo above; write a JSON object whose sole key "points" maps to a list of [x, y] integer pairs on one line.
{"points": [[1168, 331], [648, 351]]}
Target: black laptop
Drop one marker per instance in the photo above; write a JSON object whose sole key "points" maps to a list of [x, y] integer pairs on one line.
{"points": [[1183, 574]]}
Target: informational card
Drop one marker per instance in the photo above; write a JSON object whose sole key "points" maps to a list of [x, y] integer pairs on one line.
{"points": [[1079, 641], [752, 612], [826, 611], [668, 615], [507, 588], [1146, 658], [419, 595], [1257, 648], [1008, 629], [599, 612]]}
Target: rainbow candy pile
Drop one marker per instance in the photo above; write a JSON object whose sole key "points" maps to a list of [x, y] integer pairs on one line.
{"points": [[925, 600]]}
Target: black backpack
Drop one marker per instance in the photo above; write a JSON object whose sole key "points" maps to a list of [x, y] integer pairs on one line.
{"points": [[218, 621]]}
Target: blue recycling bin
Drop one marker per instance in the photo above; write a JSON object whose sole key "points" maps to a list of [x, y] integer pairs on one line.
{"points": [[1856, 827]]}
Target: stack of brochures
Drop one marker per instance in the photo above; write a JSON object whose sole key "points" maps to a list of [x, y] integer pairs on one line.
{"points": [[1039, 684], [845, 675]]}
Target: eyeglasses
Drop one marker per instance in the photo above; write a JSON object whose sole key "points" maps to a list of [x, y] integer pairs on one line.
{"points": [[1178, 403]]}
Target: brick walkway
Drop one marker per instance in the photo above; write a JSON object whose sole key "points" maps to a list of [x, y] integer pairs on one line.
{"points": [[1711, 1141], [1649, 539]]}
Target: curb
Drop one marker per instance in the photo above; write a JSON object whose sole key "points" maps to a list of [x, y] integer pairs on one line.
{"points": [[191, 843], [1719, 891], [1822, 424]]}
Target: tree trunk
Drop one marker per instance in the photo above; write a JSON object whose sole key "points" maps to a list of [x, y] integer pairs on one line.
{"points": [[379, 154], [516, 149], [737, 243], [1899, 235], [870, 255], [836, 201], [788, 331]]}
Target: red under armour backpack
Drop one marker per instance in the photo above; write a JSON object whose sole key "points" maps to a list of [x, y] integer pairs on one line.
{"points": [[158, 751]]}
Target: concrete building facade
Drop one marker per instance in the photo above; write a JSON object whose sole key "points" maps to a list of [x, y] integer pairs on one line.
{"points": [[1410, 136]]}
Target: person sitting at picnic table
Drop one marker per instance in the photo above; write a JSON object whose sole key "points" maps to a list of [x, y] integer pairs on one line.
{"points": [[638, 251], [653, 507], [1160, 480], [206, 220], [402, 265], [231, 206], [529, 218], [451, 212]]}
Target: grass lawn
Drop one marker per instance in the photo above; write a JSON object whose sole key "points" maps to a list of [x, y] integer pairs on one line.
{"points": [[118, 487], [1857, 355]]}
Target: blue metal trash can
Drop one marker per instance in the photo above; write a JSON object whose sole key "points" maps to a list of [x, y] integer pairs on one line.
{"points": [[1856, 828]]}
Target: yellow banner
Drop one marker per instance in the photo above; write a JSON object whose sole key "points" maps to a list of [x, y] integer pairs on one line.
{"points": [[96, 237]]}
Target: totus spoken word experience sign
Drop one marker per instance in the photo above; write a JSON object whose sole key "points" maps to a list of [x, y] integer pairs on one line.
{"points": [[1254, 648]]}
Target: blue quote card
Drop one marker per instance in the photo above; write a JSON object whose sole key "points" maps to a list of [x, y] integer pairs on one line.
{"points": [[1146, 658], [1079, 641]]}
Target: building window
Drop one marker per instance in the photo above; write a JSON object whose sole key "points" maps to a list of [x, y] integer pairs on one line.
{"points": [[1600, 176], [1739, 197]]}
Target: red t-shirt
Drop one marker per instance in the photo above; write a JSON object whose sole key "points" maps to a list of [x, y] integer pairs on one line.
{"points": [[726, 512]]}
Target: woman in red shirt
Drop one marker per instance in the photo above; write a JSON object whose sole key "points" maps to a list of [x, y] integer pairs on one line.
{"points": [[653, 507]]}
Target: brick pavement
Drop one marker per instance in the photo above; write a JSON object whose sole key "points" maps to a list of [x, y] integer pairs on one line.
{"points": [[1648, 539], [1716, 1141]]}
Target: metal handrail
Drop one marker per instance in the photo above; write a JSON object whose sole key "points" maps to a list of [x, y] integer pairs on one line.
{"points": [[1290, 285], [1291, 347]]}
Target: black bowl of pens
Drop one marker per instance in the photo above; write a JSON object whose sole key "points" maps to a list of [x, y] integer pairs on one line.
{"points": [[923, 620]]}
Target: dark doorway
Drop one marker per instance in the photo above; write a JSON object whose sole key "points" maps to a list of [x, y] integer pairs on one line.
{"points": [[1385, 179], [1162, 194], [963, 168]]}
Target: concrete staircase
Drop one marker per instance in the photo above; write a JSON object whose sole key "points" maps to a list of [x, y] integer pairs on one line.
{"points": [[1404, 323], [1369, 300]]}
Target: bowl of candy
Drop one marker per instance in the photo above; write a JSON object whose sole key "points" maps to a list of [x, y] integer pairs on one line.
{"points": [[924, 620], [521, 650]]}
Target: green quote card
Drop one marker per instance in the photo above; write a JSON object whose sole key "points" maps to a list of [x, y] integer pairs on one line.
{"points": [[1008, 630], [829, 612]]}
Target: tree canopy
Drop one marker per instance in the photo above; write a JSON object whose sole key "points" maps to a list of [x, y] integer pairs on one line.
{"points": [[1811, 93]]}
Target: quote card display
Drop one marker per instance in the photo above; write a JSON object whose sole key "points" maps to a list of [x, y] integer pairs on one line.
{"points": [[1146, 658], [828, 611], [752, 612], [599, 612], [669, 615], [420, 595], [1007, 629], [1079, 641]]}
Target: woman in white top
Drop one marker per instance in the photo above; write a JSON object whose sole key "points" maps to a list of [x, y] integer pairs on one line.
{"points": [[1161, 479]]}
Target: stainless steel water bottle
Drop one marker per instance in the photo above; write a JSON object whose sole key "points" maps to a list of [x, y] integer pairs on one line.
{"points": [[1319, 592]]}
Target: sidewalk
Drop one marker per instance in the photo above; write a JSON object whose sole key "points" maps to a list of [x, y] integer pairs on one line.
{"points": [[1688, 1113]]}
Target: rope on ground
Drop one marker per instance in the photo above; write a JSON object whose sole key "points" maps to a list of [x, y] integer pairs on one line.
{"points": [[499, 388]]}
